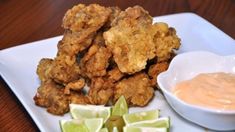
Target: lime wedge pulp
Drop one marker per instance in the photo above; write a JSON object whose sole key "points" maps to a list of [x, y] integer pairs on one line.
{"points": [[89, 111], [86, 125], [140, 116], [120, 108], [157, 123], [73, 126], [94, 124]]}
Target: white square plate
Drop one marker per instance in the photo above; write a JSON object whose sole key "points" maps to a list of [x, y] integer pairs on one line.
{"points": [[18, 67]]}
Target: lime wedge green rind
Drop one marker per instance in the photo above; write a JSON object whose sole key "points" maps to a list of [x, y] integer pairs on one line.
{"points": [[141, 116], [120, 108], [143, 129]]}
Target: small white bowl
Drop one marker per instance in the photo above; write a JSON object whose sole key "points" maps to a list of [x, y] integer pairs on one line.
{"points": [[186, 66]]}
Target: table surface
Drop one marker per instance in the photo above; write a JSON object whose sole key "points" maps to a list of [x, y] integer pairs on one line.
{"points": [[30, 20]]}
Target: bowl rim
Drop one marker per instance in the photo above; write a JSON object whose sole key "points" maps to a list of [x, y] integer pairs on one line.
{"points": [[185, 104]]}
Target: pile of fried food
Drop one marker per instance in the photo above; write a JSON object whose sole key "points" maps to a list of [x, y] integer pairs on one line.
{"points": [[113, 52]]}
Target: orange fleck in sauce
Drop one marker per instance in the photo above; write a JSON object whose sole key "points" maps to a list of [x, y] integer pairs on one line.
{"points": [[211, 90]]}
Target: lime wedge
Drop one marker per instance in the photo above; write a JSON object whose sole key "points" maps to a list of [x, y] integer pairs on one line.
{"points": [[157, 123], [120, 108], [89, 111], [140, 116], [143, 129], [94, 125], [86, 125], [73, 126]]}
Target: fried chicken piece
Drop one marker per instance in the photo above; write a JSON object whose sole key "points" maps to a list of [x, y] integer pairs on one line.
{"points": [[95, 61], [131, 39], [136, 12], [86, 19], [75, 85], [101, 91], [136, 89], [63, 73], [78, 98], [72, 43], [155, 70], [51, 96], [65, 67], [114, 75], [43, 69], [166, 40], [115, 11], [81, 22], [101, 88]]}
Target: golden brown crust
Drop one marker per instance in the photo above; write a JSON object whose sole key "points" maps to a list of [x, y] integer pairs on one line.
{"points": [[73, 43], [51, 96], [136, 89], [155, 70], [115, 11], [63, 73], [78, 98], [114, 75], [43, 69], [131, 40], [86, 19], [75, 86], [96, 60], [165, 40], [101, 91]]}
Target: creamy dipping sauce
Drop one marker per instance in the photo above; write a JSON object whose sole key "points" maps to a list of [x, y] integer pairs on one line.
{"points": [[211, 90]]}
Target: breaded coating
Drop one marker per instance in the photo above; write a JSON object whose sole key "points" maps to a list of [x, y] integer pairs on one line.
{"points": [[166, 40], [75, 86], [86, 19], [136, 89], [95, 61], [72, 43], [63, 73], [51, 96], [136, 12], [114, 75], [102, 88], [78, 98], [101, 91], [115, 11], [155, 70], [131, 39], [65, 68], [43, 69]]}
